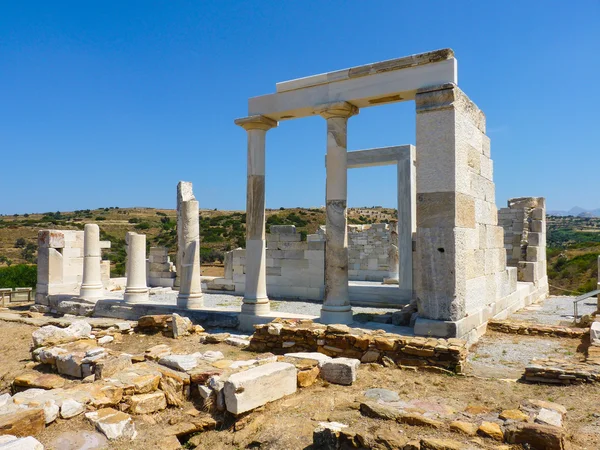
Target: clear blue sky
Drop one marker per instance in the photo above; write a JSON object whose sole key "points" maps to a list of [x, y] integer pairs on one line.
{"points": [[111, 103]]}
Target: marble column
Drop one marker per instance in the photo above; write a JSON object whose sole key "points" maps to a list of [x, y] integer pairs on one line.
{"points": [[136, 289], [393, 255], [190, 289], [91, 283], [256, 301], [336, 306], [407, 220], [184, 193]]}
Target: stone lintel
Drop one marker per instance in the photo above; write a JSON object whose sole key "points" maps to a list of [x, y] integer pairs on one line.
{"points": [[382, 156], [367, 69], [256, 122], [378, 88], [336, 109]]}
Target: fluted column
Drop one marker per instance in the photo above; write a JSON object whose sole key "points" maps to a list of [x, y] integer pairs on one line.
{"points": [[336, 306], [256, 301], [136, 289], [91, 283], [190, 289]]}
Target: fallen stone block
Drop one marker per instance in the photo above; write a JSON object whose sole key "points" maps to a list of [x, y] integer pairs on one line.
{"points": [[71, 408], [379, 411], [26, 443], [194, 425], [157, 352], [307, 377], [255, 387], [156, 322], [50, 335], [179, 362], [112, 423], [173, 390], [38, 380], [237, 342], [70, 364], [23, 423], [181, 326], [537, 437], [105, 340], [340, 371], [327, 435], [148, 403], [549, 417], [316, 356], [491, 430], [106, 368]]}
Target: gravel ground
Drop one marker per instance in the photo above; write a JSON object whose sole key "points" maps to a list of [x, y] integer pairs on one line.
{"points": [[554, 311], [498, 355]]}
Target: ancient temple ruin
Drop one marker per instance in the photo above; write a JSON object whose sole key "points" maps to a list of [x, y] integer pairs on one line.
{"points": [[452, 256]]}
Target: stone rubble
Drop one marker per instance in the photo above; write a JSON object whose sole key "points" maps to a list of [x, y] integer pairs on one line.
{"points": [[112, 423]]}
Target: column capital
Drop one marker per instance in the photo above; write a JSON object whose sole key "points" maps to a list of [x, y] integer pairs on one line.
{"points": [[257, 122], [336, 109]]}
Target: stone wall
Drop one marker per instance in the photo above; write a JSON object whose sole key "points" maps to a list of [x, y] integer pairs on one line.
{"points": [[524, 223], [295, 268], [285, 336], [60, 264], [368, 252], [161, 271]]}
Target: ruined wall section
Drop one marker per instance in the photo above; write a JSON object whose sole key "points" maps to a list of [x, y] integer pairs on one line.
{"points": [[368, 252], [524, 223], [60, 264]]}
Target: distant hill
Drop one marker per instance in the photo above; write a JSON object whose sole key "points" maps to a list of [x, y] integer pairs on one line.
{"points": [[577, 211]]}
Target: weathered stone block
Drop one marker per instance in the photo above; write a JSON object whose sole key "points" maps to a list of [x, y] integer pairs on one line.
{"points": [[340, 370], [247, 390]]}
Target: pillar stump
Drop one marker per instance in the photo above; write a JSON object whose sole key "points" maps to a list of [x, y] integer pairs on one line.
{"points": [[336, 306], [136, 290], [91, 284], [190, 288]]}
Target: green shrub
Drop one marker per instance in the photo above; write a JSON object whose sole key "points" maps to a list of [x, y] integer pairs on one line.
{"points": [[142, 226], [20, 275]]}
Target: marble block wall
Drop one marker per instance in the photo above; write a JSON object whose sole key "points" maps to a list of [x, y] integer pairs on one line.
{"points": [[161, 271], [524, 223], [368, 252], [60, 264]]}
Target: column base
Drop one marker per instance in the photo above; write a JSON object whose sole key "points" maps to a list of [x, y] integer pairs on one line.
{"points": [[391, 281], [91, 292], [136, 295], [190, 301], [257, 307], [340, 314]]}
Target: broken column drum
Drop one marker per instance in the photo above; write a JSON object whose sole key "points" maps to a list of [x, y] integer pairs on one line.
{"points": [[136, 290], [91, 285], [190, 289]]}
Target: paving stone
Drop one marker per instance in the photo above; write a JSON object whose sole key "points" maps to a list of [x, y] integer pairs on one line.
{"points": [[340, 371], [255, 387], [112, 423]]}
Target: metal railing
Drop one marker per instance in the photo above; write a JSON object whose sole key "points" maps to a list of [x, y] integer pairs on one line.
{"points": [[580, 299]]}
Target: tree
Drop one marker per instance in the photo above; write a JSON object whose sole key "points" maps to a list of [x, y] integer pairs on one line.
{"points": [[29, 252], [20, 243]]}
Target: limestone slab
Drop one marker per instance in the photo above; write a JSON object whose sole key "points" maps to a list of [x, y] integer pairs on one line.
{"points": [[255, 387]]}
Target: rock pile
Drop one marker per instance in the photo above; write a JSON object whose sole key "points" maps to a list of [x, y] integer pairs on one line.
{"points": [[536, 329], [559, 371]]}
